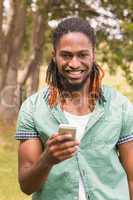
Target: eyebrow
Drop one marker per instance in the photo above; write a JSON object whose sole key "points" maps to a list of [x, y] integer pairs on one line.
{"points": [[81, 51]]}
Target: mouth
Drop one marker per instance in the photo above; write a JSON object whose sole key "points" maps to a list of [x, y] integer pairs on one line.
{"points": [[74, 74], [70, 70]]}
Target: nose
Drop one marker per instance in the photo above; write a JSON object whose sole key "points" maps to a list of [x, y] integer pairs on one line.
{"points": [[74, 62]]}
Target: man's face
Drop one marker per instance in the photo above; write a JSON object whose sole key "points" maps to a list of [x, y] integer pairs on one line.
{"points": [[74, 56]]}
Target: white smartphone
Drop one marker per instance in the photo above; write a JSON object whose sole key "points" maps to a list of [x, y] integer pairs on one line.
{"points": [[63, 128]]}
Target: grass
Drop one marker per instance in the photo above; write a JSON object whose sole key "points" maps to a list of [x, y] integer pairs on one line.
{"points": [[9, 187]]}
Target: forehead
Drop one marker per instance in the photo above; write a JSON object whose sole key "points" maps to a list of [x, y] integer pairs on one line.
{"points": [[74, 41]]}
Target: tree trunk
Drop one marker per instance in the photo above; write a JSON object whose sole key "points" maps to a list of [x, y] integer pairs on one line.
{"points": [[32, 68], [14, 41], [33, 82], [1, 42]]}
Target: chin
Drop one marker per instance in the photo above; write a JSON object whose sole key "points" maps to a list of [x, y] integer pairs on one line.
{"points": [[74, 86]]}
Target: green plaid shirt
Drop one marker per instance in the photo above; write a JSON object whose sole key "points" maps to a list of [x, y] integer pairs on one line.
{"points": [[110, 124]]}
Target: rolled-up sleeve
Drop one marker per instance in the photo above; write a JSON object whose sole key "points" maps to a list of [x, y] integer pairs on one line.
{"points": [[25, 124], [127, 123]]}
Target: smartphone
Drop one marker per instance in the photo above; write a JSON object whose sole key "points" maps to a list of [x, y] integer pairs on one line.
{"points": [[64, 128]]}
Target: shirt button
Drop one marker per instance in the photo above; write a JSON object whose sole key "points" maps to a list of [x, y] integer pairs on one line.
{"points": [[90, 194]]}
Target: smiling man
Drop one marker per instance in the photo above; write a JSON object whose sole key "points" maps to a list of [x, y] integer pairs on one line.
{"points": [[74, 58], [98, 164]]}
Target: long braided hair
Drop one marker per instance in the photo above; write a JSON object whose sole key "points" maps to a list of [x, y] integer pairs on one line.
{"points": [[53, 77]]}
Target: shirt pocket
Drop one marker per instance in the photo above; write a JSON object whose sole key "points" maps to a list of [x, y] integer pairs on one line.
{"points": [[104, 134]]}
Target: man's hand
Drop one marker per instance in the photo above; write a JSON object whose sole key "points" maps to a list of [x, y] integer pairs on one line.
{"points": [[59, 148], [35, 164]]}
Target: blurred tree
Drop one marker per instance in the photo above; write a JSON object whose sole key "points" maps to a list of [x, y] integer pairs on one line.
{"points": [[12, 47], [11, 43], [120, 51], [25, 39]]}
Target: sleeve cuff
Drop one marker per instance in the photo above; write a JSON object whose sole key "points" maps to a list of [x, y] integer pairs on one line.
{"points": [[20, 135], [125, 139]]}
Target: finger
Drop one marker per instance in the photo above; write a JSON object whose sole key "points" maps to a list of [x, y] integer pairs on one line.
{"points": [[49, 141], [65, 152], [60, 138], [67, 144], [58, 147], [54, 135], [62, 158]]}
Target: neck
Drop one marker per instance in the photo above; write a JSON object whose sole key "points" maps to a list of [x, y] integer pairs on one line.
{"points": [[77, 102]]}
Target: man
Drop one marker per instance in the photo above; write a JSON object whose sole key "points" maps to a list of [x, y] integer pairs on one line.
{"points": [[53, 166]]}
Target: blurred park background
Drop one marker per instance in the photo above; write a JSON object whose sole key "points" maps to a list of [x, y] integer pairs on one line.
{"points": [[25, 50]]}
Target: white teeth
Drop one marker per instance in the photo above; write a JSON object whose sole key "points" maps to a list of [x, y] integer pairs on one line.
{"points": [[76, 71]]}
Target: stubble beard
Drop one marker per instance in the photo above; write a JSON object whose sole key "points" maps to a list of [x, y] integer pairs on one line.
{"points": [[73, 87]]}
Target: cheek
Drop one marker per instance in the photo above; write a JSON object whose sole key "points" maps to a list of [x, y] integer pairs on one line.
{"points": [[87, 64], [60, 63]]}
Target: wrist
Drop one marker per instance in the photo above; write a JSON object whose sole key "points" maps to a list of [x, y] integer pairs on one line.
{"points": [[46, 161]]}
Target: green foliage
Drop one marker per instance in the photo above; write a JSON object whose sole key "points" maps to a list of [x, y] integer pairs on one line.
{"points": [[118, 53], [8, 165], [115, 53]]}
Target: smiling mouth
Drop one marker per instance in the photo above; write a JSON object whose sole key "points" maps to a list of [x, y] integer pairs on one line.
{"points": [[74, 74], [75, 71]]}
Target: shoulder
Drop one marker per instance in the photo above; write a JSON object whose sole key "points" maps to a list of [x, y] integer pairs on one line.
{"points": [[112, 95], [37, 98]]}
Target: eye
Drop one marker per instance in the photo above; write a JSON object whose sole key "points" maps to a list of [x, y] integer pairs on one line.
{"points": [[83, 55], [66, 56]]}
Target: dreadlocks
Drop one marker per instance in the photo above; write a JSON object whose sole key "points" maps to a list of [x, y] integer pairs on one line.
{"points": [[53, 78]]}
